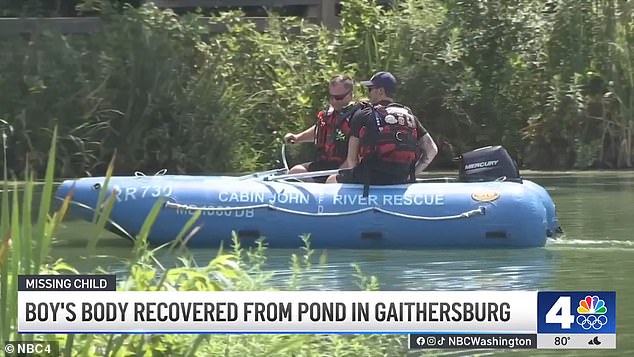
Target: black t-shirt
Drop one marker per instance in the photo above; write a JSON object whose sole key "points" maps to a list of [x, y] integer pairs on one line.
{"points": [[365, 118]]}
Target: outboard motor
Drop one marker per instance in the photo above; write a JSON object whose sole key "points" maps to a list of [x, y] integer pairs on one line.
{"points": [[487, 164]]}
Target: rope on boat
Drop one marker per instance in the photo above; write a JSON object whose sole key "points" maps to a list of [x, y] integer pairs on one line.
{"points": [[161, 172], [480, 211], [109, 220], [284, 157], [263, 173]]}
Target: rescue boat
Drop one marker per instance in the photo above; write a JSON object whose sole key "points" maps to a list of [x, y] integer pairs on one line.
{"points": [[487, 206]]}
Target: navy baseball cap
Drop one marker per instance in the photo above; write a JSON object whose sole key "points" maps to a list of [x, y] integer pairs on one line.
{"points": [[382, 80]]}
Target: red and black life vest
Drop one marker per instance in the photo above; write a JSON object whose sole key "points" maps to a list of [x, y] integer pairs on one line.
{"points": [[397, 136], [331, 134]]}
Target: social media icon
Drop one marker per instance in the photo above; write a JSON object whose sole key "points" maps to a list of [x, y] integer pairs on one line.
{"points": [[420, 341]]}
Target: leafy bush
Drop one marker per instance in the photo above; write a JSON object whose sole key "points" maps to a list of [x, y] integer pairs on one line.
{"points": [[164, 92]]}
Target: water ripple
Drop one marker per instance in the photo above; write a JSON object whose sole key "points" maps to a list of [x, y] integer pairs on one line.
{"points": [[590, 243]]}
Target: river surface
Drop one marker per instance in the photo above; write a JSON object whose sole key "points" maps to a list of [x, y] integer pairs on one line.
{"points": [[596, 211]]}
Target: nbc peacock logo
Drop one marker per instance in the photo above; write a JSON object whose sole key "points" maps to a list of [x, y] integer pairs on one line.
{"points": [[592, 313]]}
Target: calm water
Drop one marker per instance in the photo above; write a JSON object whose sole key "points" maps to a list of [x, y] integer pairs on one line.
{"points": [[596, 253]]}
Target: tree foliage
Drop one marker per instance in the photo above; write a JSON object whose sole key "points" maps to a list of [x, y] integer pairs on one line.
{"points": [[553, 82]]}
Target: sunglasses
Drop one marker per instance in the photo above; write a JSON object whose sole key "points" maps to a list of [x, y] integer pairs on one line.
{"points": [[339, 97]]}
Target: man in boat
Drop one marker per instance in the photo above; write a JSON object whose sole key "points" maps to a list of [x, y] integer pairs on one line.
{"points": [[330, 132], [392, 145]]}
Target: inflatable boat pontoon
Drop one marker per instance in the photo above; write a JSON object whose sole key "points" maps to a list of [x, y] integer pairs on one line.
{"points": [[488, 205]]}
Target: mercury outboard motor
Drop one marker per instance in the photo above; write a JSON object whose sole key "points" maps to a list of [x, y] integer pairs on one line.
{"points": [[487, 164]]}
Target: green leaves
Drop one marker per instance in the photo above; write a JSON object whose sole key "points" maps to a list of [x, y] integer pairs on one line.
{"points": [[166, 93]]}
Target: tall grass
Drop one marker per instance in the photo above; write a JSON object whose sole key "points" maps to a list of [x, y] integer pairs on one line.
{"points": [[25, 244], [25, 249]]}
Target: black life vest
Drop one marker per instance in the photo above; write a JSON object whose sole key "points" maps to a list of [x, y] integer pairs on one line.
{"points": [[331, 134], [397, 136]]}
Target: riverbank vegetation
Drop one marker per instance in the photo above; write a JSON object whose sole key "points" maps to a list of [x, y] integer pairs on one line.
{"points": [[552, 81]]}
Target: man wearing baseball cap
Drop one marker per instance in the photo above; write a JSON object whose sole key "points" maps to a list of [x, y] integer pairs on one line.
{"points": [[383, 80], [388, 138]]}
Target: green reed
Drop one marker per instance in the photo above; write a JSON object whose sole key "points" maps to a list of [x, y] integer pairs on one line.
{"points": [[25, 249]]}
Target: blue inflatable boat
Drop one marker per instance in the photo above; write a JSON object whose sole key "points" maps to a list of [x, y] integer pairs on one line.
{"points": [[448, 212]]}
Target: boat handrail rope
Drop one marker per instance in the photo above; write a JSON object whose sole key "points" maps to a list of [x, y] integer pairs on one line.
{"points": [[160, 172], [284, 158], [115, 225], [262, 173], [436, 179], [309, 174], [312, 174], [480, 211], [109, 220], [267, 173]]}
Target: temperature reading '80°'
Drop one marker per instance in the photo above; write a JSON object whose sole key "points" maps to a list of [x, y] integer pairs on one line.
{"points": [[562, 341]]}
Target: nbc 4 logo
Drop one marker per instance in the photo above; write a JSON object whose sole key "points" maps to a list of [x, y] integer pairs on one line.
{"points": [[591, 313]]}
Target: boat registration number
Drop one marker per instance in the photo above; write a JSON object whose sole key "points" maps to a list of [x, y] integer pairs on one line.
{"points": [[141, 192]]}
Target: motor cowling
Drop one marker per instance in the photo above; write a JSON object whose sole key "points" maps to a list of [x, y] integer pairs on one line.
{"points": [[487, 164]]}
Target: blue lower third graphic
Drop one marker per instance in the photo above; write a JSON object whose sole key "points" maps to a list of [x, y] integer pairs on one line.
{"points": [[575, 312]]}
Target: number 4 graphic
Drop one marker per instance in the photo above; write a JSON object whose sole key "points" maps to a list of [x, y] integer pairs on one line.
{"points": [[559, 313]]}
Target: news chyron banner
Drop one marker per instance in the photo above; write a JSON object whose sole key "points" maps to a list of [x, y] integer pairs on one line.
{"points": [[432, 319]]}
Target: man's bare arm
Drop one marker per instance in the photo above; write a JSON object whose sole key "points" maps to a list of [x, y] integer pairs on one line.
{"points": [[305, 136], [429, 151], [353, 153]]}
